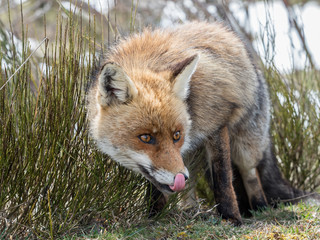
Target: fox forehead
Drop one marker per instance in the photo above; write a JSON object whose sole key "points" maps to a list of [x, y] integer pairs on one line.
{"points": [[145, 115], [155, 109]]}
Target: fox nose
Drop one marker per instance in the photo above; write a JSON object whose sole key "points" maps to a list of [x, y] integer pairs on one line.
{"points": [[185, 176]]}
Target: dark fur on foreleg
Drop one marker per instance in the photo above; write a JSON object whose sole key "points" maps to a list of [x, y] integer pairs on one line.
{"points": [[241, 193], [219, 176]]}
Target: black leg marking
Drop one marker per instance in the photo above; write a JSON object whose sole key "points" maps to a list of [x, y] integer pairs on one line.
{"points": [[242, 197], [218, 148]]}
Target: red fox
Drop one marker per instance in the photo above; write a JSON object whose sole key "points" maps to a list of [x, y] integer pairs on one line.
{"points": [[162, 94]]}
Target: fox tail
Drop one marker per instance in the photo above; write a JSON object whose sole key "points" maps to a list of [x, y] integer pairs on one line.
{"points": [[275, 187]]}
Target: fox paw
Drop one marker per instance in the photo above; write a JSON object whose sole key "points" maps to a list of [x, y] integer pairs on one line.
{"points": [[236, 221]]}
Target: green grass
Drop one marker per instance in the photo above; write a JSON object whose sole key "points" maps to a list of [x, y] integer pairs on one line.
{"points": [[300, 221]]}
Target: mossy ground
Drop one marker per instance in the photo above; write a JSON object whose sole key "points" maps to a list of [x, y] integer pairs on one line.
{"points": [[300, 221]]}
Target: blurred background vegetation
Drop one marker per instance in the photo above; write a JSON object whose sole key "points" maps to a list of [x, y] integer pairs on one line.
{"points": [[53, 181]]}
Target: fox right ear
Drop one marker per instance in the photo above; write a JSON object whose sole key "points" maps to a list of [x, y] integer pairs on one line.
{"points": [[114, 85], [182, 73]]}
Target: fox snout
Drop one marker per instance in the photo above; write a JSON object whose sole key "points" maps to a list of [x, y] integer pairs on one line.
{"points": [[165, 180]]}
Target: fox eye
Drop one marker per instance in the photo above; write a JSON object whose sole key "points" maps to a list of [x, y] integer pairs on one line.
{"points": [[147, 138], [176, 136]]}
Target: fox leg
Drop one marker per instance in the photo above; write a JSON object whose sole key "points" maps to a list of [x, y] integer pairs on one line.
{"points": [[248, 143], [246, 156], [219, 175], [241, 193], [156, 200], [252, 184]]}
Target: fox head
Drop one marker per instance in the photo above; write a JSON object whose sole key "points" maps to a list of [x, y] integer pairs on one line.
{"points": [[141, 120]]}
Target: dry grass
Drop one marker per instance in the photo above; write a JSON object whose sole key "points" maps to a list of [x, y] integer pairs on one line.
{"points": [[300, 221], [52, 178]]}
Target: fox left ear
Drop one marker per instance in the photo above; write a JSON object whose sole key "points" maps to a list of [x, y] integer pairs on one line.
{"points": [[182, 73], [114, 85]]}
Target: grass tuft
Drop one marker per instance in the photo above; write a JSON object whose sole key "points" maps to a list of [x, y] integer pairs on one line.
{"points": [[295, 125], [53, 180]]}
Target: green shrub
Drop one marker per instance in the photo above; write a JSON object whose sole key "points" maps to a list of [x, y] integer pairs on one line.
{"points": [[52, 178], [295, 125]]}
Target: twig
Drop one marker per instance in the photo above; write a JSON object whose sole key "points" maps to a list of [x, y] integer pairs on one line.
{"points": [[301, 197], [225, 13], [44, 39], [293, 21]]}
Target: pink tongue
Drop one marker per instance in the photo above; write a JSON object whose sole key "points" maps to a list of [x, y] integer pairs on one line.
{"points": [[179, 183]]}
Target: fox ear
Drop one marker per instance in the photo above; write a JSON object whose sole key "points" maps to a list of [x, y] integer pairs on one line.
{"points": [[114, 85], [182, 73]]}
